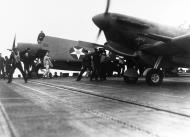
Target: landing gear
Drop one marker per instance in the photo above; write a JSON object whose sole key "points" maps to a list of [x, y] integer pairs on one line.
{"points": [[154, 77], [131, 76]]}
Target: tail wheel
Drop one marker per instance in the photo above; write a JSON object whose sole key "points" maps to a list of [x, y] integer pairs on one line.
{"points": [[154, 77]]}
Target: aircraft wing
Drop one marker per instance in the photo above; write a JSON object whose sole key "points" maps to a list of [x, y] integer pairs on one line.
{"points": [[167, 46], [159, 49], [157, 37]]}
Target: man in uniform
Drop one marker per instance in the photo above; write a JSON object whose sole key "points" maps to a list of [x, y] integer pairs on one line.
{"points": [[7, 66], [26, 60], [16, 63], [2, 64], [40, 37], [95, 65], [86, 65], [103, 64]]}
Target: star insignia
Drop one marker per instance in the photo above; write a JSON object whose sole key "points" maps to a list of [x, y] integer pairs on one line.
{"points": [[78, 52]]}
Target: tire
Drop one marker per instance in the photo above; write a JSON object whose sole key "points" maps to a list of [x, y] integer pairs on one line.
{"points": [[154, 77], [131, 80]]}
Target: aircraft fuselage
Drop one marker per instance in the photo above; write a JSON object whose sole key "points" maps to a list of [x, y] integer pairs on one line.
{"points": [[124, 30]]}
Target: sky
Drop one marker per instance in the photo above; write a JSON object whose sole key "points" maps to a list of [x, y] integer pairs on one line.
{"points": [[72, 19]]}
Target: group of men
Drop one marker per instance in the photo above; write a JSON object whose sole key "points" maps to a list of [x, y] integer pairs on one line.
{"points": [[16, 63], [8, 65], [98, 65], [5, 67]]}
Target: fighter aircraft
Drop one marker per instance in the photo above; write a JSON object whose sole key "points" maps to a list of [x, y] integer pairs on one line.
{"points": [[145, 44]]}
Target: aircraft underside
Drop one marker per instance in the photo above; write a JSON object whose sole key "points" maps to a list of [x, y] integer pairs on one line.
{"points": [[63, 65], [141, 63]]}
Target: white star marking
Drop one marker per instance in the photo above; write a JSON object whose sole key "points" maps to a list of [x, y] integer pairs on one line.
{"points": [[78, 52]]}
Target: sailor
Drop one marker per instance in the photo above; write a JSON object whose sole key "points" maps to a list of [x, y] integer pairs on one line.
{"points": [[7, 66], [2, 64], [40, 37], [103, 64], [95, 65], [121, 66], [86, 65], [16, 63], [55, 75], [26, 60], [47, 64], [36, 66]]}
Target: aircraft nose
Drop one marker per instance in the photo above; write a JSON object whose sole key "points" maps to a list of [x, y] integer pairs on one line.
{"points": [[34, 48], [100, 21]]}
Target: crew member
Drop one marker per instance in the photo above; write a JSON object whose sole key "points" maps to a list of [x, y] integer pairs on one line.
{"points": [[2, 62], [103, 64], [55, 75], [26, 60], [16, 63], [40, 37], [95, 65], [7, 66], [47, 64], [86, 65], [121, 66], [36, 66]]}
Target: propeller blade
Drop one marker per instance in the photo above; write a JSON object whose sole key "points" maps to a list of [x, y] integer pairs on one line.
{"points": [[9, 49], [107, 6], [14, 43], [99, 33], [106, 12]]}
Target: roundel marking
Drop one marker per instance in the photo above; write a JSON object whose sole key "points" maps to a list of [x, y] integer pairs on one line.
{"points": [[77, 52]]}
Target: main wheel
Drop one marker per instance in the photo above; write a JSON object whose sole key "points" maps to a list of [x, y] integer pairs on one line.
{"points": [[154, 77]]}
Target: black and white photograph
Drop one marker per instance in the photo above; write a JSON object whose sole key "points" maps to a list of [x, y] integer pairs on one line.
{"points": [[95, 68]]}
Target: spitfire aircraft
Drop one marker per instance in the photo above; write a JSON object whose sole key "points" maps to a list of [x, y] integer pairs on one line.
{"points": [[148, 46]]}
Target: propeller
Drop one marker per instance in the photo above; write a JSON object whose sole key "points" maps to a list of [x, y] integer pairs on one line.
{"points": [[99, 33], [105, 13], [107, 6], [13, 46]]}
